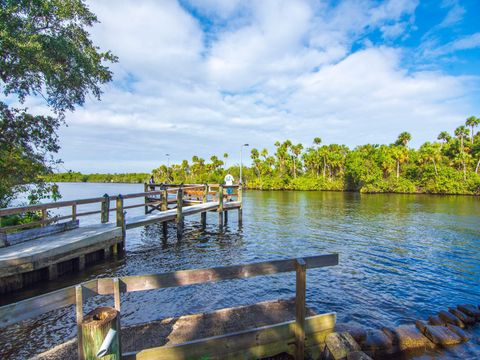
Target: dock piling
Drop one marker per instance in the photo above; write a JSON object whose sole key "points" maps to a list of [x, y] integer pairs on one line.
{"points": [[145, 189], [164, 207], [203, 215], [220, 206], [179, 217], [121, 218], [105, 215]]}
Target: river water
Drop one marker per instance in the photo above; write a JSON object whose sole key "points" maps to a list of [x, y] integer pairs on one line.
{"points": [[402, 257]]}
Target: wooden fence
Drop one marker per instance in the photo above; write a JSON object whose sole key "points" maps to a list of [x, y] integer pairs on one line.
{"points": [[160, 203], [278, 333]]}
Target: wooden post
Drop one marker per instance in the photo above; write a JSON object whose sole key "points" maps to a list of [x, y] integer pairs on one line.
{"points": [[240, 209], [105, 208], [226, 216], [44, 216], [79, 317], [220, 205], [74, 212], [94, 329], [121, 218], [145, 189], [116, 293], [301, 284], [164, 207], [203, 215], [179, 213], [3, 239]]}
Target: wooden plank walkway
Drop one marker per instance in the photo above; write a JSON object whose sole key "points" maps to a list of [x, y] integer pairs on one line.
{"points": [[45, 252]]}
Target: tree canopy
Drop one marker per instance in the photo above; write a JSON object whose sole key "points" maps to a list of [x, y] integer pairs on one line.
{"points": [[45, 52], [449, 166]]}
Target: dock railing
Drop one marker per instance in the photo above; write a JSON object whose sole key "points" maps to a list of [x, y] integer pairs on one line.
{"points": [[156, 197], [219, 346]]}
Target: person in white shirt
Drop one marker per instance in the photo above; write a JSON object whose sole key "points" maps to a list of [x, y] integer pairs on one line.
{"points": [[229, 181]]}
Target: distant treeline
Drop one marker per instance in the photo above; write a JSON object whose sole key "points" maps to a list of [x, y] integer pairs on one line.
{"points": [[449, 165], [72, 176]]}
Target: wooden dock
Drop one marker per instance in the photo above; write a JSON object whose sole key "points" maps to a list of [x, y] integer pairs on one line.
{"points": [[51, 246]]}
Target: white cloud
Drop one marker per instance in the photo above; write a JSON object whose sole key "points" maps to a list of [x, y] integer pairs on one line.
{"points": [[285, 69]]}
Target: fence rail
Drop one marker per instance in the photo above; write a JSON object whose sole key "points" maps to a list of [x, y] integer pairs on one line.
{"points": [[152, 198], [30, 308]]}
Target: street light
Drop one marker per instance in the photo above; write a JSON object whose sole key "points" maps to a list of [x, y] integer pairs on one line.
{"points": [[241, 165]]}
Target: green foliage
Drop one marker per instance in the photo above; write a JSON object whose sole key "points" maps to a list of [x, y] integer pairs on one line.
{"points": [[45, 52], [137, 178], [449, 167]]}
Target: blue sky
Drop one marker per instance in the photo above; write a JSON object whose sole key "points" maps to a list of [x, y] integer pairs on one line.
{"points": [[203, 77]]}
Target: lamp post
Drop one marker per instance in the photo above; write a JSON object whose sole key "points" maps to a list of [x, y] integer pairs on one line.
{"points": [[168, 160], [241, 165], [168, 166]]}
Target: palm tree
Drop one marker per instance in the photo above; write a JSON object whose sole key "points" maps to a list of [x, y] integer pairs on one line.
{"points": [[462, 132], [401, 156], [403, 139], [444, 136], [296, 150], [225, 156], [317, 141], [473, 122]]}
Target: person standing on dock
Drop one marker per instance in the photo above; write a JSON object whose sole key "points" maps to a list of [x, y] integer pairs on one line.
{"points": [[152, 182], [229, 182]]}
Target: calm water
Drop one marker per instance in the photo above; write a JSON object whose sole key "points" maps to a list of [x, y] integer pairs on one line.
{"points": [[402, 257]]}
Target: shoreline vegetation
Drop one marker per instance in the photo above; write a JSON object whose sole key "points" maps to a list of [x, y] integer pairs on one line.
{"points": [[449, 165]]}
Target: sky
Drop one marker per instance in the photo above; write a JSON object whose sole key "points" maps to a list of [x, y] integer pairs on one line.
{"points": [[203, 77]]}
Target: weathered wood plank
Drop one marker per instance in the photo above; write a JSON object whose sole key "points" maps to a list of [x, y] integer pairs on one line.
{"points": [[191, 277], [220, 347], [30, 308], [31, 234]]}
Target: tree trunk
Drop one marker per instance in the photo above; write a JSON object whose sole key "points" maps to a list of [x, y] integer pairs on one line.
{"points": [[398, 169], [324, 167], [95, 327], [435, 166], [478, 166]]}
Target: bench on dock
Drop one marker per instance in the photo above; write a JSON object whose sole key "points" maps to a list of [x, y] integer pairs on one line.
{"points": [[305, 334]]}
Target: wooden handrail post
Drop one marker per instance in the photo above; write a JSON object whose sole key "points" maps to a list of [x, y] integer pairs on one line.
{"points": [[145, 189], [203, 215], [205, 194], [44, 216], [301, 285], [121, 219], [164, 205], [220, 205], [79, 317], [74, 212], [179, 213], [105, 215], [116, 293]]}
